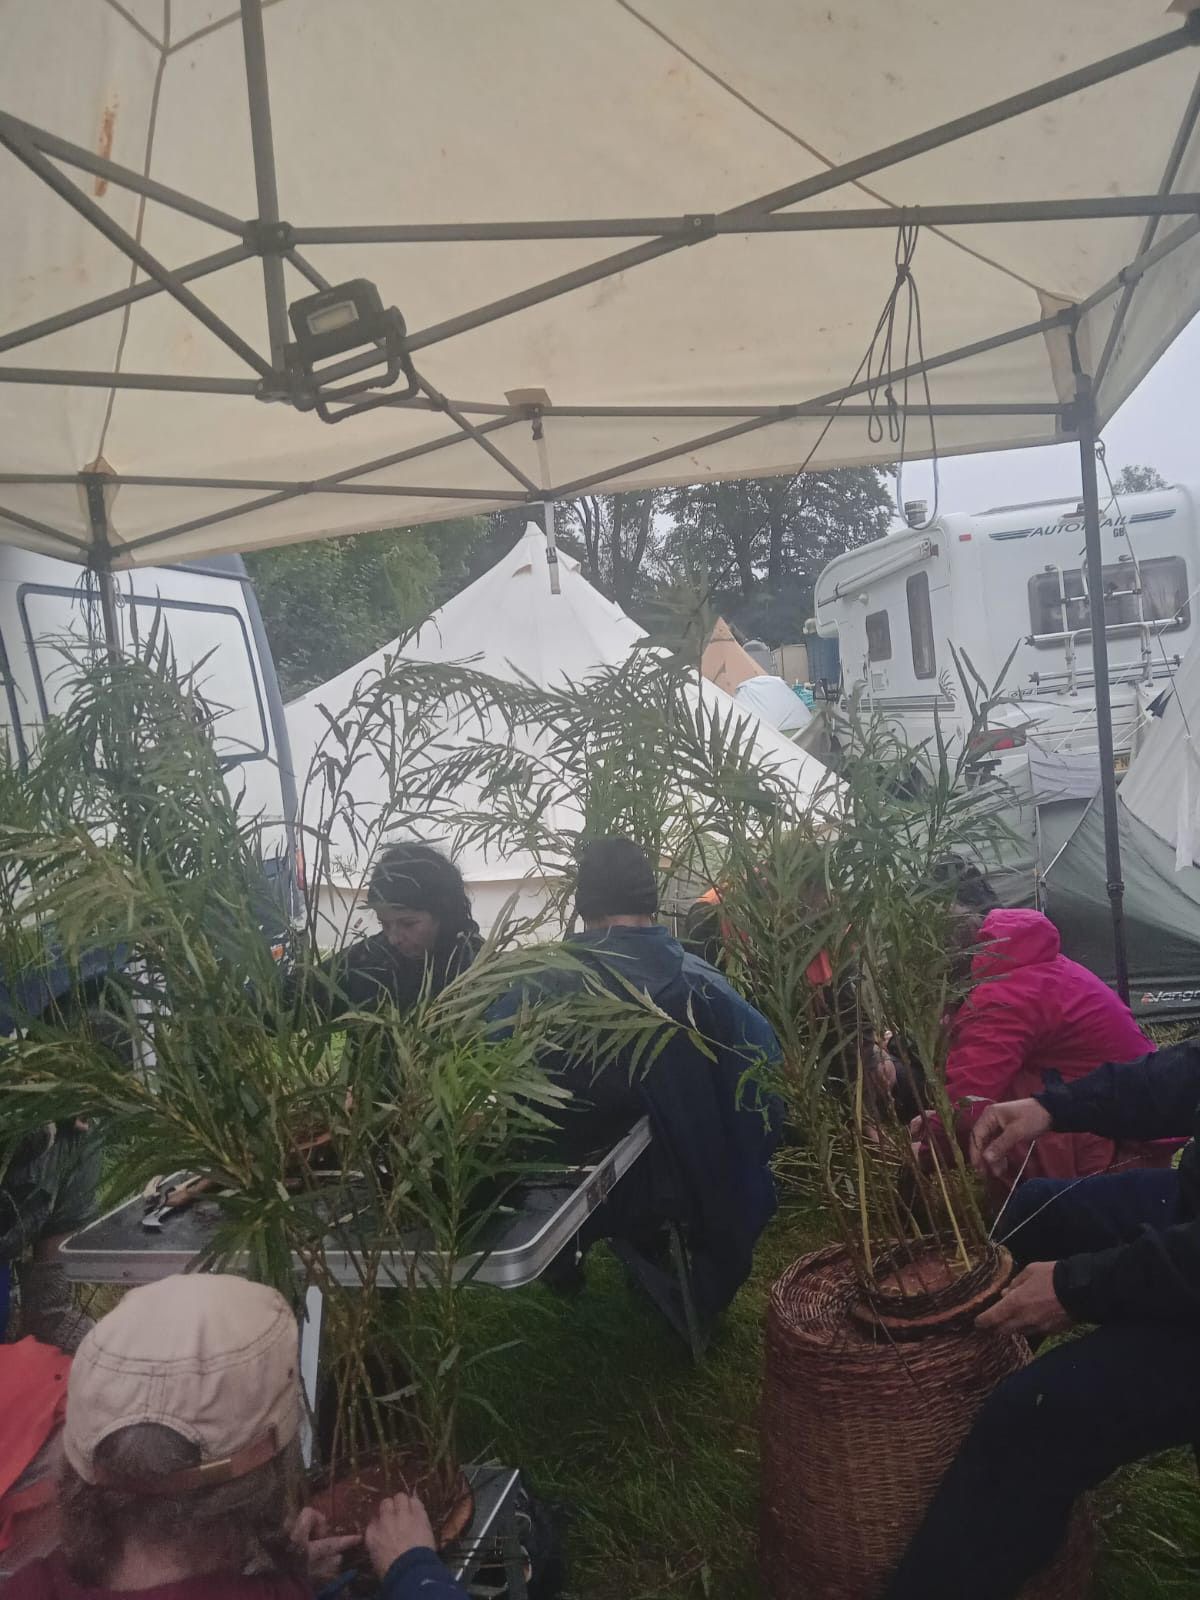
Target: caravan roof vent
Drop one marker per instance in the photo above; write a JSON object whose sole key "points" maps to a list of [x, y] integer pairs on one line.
{"points": [[916, 511]]}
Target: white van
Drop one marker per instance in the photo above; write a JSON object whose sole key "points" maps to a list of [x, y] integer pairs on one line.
{"points": [[1016, 578], [209, 613]]}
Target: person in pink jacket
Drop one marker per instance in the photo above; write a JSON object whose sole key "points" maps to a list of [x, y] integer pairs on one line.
{"points": [[1034, 1018]]}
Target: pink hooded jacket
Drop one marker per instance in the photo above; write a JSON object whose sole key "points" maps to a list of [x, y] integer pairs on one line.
{"points": [[1033, 1014]]}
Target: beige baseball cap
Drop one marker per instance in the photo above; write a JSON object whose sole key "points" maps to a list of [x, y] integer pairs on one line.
{"points": [[213, 1358]]}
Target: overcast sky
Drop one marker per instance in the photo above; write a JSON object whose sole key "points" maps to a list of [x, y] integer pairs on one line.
{"points": [[1156, 427]]}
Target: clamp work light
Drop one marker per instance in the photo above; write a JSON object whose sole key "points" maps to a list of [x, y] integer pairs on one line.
{"points": [[329, 326]]}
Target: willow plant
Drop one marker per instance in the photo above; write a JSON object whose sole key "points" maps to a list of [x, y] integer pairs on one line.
{"points": [[840, 920], [348, 1150]]}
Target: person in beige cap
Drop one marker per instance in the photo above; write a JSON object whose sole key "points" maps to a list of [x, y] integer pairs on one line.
{"points": [[183, 1470]]}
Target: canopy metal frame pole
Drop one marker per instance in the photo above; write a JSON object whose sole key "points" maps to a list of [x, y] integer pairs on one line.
{"points": [[1085, 422], [835, 178], [94, 484], [276, 240], [122, 297], [1170, 172], [271, 241], [74, 155], [28, 143], [79, 548], [690, 227], [116, 235]]}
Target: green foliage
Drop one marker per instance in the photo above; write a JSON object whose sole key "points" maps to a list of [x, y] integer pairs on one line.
{"points": [[754, 549], [327, 603], [867, 895], [851, 871], [348, 1150], [764, 540], [1137, 480]]}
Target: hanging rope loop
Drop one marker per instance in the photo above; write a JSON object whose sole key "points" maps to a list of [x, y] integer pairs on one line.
{"points": [[899, 337]]}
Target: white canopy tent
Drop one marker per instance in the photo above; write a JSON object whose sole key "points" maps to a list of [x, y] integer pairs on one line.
{"points": [[628, 243], [509, 625], [665, 228]]}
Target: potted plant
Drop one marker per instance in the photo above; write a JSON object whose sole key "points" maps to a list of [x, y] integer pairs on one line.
{"points": [[874, 1367], [122, 832]]}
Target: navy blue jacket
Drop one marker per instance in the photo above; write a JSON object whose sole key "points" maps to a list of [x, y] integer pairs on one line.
{"points": [[1157, 1275], [714, 1133], [419, 1575]]}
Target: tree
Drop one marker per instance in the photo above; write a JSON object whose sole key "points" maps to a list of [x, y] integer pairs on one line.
{"points": [[1136, 480], [327, 603], [613, 536], [617, 531], [763, 541]]}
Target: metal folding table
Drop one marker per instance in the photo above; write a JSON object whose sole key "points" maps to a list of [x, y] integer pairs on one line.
{"points": [[519, 1243]]}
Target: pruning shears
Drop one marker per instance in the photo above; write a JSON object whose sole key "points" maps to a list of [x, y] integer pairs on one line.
{"points": [[177, 1191]]}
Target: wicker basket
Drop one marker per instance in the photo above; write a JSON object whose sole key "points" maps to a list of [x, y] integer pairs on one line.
{"points": [[857, 1430]]}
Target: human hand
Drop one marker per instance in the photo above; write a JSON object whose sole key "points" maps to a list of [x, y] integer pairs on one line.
{"points": [[322, 1553], [883, 1066], [1002, 1126], [1028, 1305], [930, 1143], [400, 1524]]}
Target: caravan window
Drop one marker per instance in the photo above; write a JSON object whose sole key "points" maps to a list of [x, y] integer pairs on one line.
{"points": [[879, 636], [920, 625], [1058, 598], [210, 642]]}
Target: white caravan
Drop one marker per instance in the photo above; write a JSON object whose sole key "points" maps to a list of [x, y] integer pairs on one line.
{"points": [[209, 613], [1016, 578]]}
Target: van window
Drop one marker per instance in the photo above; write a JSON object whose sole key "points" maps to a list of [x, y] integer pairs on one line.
{"points": [[9, 709], [1058, 598], [879, 636], [211, 641], [920, 626]]}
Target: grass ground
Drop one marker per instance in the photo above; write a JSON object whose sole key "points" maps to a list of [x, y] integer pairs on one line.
{"points": [[655, 1461]]}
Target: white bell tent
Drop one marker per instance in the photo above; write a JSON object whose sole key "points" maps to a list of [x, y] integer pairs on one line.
{"points": [[509, 625]]}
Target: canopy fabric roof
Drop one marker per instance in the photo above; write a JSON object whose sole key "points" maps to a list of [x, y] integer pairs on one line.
{"points": [[510, 626], [724, 662], [660, 232]]}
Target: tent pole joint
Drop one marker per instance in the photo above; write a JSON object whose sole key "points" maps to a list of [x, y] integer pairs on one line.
{"points": [[269, 238], [700, 225]]}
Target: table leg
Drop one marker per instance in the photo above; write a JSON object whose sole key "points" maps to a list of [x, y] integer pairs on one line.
{"points": [[310, 1360]]}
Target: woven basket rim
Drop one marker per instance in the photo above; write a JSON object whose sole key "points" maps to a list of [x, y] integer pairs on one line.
{"points": [[966, 1286], [858, 1319]]}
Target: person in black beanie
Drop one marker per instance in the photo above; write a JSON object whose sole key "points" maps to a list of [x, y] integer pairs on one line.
{"points": [[427, 936], [615, 886], [708, 1169]]}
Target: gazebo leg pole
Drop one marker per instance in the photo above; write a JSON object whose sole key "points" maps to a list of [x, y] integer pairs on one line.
{"points": [[539, 439], [1086, 415], [93, 488]]}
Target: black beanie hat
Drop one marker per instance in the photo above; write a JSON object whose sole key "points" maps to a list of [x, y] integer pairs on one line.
{"points": [[615, 879]]}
